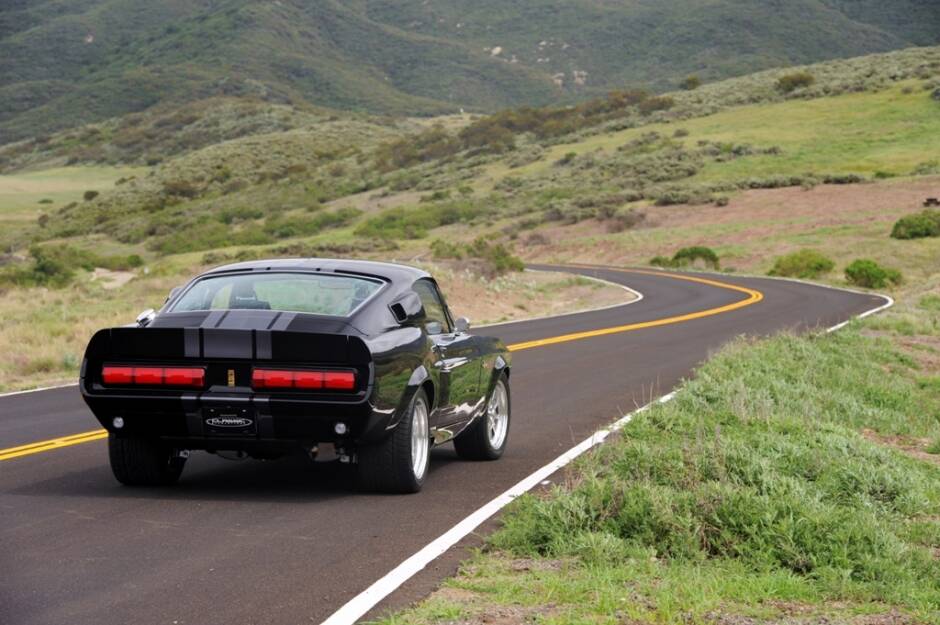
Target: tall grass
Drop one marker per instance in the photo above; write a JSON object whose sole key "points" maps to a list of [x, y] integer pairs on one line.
{"points": [[759, 461]]}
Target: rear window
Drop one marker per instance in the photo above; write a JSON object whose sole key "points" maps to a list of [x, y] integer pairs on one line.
{"points": [[318, 294]]}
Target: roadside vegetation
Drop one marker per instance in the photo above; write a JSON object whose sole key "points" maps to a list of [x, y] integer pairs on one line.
{"points": [[767, 492], [917, 226], [806, 264]]}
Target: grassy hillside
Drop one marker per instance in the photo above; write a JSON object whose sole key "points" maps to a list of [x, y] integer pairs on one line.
{"points": [[227, 172], [739, 166], [657, 43], [66, 63]]}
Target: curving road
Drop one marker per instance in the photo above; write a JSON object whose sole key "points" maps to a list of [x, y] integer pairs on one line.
{"points": [[291, 542]]}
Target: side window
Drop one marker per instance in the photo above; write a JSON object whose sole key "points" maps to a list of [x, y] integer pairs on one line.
{"points": [[436, 320]]}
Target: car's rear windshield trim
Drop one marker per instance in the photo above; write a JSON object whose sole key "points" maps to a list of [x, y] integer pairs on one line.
{"points": [[382, 282]]}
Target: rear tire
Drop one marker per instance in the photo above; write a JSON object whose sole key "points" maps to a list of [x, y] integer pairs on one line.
{"points": [[486, 438], [143, 461], [399, 464]]}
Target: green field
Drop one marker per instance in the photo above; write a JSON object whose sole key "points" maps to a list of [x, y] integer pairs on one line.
{"points": [[892, 131], [22, 194]]}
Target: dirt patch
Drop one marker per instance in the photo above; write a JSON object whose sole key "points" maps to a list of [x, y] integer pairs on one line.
{"points": [[923, 349], [520, 565], [111, 279], [522, 295], [802, 614], [757, 225], [477, 611], [909, 445], [375, 200]]}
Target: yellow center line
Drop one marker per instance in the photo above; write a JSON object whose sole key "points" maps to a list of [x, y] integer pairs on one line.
{"points": [[55, 443], [753, 297]]}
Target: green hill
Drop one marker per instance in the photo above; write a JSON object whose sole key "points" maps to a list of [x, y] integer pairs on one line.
{"points": [[67, 62]]}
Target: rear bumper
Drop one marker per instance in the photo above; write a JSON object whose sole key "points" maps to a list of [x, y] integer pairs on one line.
{"points": [[238, 420]]}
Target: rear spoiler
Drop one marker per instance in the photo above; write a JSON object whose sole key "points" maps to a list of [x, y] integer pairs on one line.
{"points": [[166, 344]]}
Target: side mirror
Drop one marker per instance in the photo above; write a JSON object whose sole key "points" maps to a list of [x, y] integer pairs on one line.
{"points": [[408, 308], [462, 324], [173, 293], [146, 317]]}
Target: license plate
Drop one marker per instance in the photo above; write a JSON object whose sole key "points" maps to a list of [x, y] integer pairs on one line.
{"points": [[229, 421]]}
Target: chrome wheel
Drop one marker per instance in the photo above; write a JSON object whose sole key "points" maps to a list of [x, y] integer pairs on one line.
{"points": [[497, 416], [420, 438]]}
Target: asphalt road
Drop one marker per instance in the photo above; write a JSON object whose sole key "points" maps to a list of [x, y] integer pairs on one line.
{"points": [[289, 541]]}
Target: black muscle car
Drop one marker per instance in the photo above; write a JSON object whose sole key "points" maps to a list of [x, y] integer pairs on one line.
{"points": [[273, 357]]}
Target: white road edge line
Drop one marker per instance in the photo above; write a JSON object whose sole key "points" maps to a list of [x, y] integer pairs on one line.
{"points": [[367, 599], [37, 390], [637, 297], [359, 605]]}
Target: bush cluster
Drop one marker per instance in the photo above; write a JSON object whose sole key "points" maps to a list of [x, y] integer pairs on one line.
{"points": [[869, 274], [497, 133], [498, 258], [688, 256], [917, 226], [807, 264], [414, 222], [789, 83], [55, 265]]}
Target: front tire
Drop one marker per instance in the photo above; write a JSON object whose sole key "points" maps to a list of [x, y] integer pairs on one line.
{"points": [[143, 461], [486, 438], [399, 464]]}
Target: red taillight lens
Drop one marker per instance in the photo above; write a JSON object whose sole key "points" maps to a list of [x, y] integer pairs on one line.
{"points": [[270, 378], [188, 376], [148, 375], [339, 380], [308, 379], [191, 377], [117, 375], [304, 380]]}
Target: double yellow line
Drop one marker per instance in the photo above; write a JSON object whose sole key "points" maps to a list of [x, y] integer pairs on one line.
{"points": [[55, 443], [753, 296]]}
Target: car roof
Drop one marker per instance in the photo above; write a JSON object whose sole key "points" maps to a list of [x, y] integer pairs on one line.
{"points": [[390, 271]]}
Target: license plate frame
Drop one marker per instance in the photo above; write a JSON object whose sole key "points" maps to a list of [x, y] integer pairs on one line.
{"points": [[230, 421]]}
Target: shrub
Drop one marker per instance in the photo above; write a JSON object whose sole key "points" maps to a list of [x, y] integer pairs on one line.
{"points": [[917, 226], [657, 103], [181, 188], [789, 83], [691, 83], [688, 255], [843, 178], [625, 220], [89, 195], [661, 261], [869, 274], [444, 249], [566, 159], [414, 223], [49, 268], [802, 264], [500, 259]]}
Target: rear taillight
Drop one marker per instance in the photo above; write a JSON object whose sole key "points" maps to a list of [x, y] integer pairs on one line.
{"points": [[189, 377], [263, 379]]}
